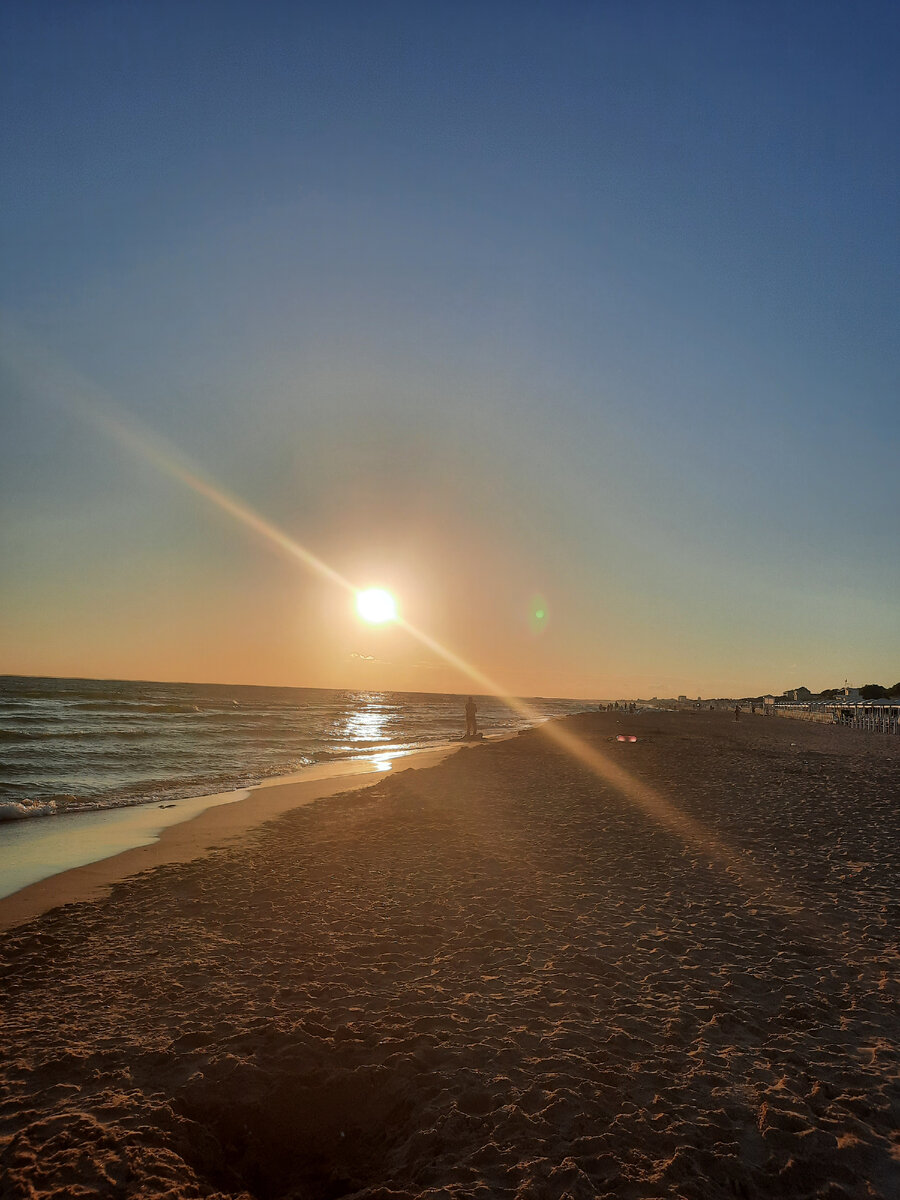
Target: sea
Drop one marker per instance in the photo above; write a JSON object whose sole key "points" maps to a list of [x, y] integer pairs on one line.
{"points": [[79, 745]]}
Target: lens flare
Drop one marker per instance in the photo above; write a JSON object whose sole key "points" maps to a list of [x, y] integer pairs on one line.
{"points": [[538, 614], [77, 396], [376, 606]]}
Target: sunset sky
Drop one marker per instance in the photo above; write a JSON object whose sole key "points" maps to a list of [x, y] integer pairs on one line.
{"points": [[587, 307]]}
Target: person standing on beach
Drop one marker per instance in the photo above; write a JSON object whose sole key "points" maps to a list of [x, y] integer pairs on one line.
{"points": [[737, 712], [471, 723]]}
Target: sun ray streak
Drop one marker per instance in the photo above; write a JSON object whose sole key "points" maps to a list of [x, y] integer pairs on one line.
{"points": [[601, 765], [153, 450], [73, 394]]}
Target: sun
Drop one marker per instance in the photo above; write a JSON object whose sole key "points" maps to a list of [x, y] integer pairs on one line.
{"points": [[376, 606]]}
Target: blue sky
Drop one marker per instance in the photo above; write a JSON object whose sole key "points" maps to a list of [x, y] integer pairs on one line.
{"points": [[483, 301]]}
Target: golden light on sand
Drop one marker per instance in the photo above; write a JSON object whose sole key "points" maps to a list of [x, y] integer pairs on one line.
{"points": [[376, 606]]}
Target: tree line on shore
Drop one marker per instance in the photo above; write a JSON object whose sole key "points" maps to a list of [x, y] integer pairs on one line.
{"points": [[871, 691]]}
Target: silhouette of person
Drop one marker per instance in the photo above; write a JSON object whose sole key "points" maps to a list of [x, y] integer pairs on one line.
{"points": [[737, 712], [471, 723]]}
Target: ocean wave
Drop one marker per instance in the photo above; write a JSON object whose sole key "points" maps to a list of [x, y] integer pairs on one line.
{"points": [[18, 810], [126, 707], [9, 713], [364, 744], [359, 750], [13, 768], [27, 694], [41, 735]]}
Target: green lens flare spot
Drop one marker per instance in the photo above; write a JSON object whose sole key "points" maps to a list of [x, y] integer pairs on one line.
{"points": [[537, 614]]}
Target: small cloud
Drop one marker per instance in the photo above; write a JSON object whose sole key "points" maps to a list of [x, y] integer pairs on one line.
{"points": [[368, 658]]}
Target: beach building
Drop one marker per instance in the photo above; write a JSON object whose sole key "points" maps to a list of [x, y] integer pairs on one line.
{"points": [[874, 716]]}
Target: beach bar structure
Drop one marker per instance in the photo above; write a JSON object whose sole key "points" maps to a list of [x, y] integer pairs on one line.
{"points": [[876, 716], [803, 710]]}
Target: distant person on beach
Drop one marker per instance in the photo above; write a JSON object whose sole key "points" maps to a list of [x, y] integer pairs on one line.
{"points": [[471, 722], [737, 712]]}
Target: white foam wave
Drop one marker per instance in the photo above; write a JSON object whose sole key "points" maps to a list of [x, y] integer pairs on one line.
{"points": [[16, 810]]}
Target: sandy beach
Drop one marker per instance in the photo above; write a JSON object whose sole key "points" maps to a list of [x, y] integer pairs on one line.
{"points": [[494, 977]]}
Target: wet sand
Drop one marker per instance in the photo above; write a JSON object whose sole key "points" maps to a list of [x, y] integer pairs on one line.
{"points": [[213, 826], [491, 978]]}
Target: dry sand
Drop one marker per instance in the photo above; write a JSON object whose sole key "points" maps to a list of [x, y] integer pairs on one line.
{"points": [[493, 978]]}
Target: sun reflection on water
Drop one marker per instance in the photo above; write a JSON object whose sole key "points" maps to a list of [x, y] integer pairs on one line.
{"points": [[367, 725]]}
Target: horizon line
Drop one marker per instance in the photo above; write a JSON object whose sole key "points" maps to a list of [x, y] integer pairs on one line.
{"points": [[291, 686]]}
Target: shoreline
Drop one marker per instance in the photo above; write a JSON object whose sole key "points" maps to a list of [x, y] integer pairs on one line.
{"points": [[224, 818]]}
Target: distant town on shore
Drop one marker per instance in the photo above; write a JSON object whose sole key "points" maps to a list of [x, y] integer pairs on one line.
{"points": [[798, 695]]}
